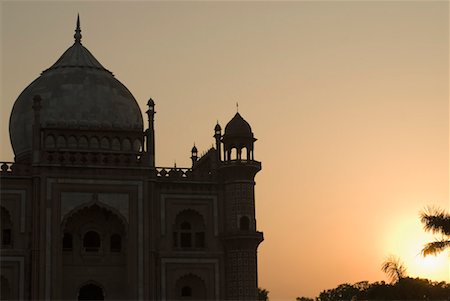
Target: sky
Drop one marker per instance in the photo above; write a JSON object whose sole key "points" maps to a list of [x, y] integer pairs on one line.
{"points": [[348, 100]]}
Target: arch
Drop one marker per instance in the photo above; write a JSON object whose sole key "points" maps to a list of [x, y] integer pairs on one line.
{"points": [[126, 144], [115, 145], [115, 243], [91, 241], [245, 153], [72, 142], [186, 291], [50, 141], [94, 143], [189, 230], [5, 292], [104, 143], [61, 142], [137, 145], [244, 223], [91, 291], [6, 228], [83, 142], [233, 154], [190, 287], [88, 205]]}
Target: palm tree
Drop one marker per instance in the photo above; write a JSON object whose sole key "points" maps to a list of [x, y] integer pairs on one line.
{"points": [[394, 268], [436, 221]]}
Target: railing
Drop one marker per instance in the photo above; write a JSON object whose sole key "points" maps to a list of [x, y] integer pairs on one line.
{"points": [[173, 172], [8, 168]]}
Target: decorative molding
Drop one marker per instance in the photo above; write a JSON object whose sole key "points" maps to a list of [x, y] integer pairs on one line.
{"points": [[140, 200], [166, 196], [21, 261], [165, 261], [23, 194]]}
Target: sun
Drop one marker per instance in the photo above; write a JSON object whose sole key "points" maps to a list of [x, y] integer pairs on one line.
{"points": [[406, 241]]}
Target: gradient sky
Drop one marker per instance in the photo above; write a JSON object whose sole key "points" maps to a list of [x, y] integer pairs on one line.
{"points": [[348, 100]]}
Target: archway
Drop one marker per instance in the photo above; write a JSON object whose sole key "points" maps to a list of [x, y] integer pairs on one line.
{"points": [[91, 292]]}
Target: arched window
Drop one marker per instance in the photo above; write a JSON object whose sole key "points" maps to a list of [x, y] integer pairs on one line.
{"points": [[137, 145], [189, 230], [49, 142], [93, 143], [115, 144], [190, 287], [91, 292], [83, 142], [61, 142], [104, 144], [126, 145], [6, 229], [91, 241], [72, 142], [186, 291], [244, 223], [67, 242], [116, 243]]}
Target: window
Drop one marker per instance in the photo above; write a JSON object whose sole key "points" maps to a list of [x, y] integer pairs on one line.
{"points": [[189, 230], [116, 243], [186, 291], [91, 241], [67, 242]]}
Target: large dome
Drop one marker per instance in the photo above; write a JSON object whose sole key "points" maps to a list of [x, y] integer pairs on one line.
{"points": [[77, 92]]}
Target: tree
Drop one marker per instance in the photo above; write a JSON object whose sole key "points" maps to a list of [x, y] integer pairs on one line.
{"points": [[304, 299], [436, 221], [394, 268], [263, 294]]}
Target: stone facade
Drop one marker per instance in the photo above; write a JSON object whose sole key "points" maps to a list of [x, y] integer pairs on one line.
{"points": [[86, 214]]}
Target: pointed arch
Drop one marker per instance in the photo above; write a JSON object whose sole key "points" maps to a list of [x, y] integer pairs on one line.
{"points": [[190, 287]]}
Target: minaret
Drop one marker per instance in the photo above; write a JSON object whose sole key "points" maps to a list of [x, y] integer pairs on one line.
{"points": [[240, 237], [217, 136], [150, 133], [194, 155]]}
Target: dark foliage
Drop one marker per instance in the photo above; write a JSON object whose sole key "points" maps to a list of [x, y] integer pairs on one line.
{"points": [[263, 294], [405, 289]]}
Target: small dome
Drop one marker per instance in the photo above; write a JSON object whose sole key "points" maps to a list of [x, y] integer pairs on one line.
{"points": [[238, 127], [77, 92], [194, 149], [217, 127]]}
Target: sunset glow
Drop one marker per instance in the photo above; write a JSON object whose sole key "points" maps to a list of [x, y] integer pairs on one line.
{"points": [[349, 101]]}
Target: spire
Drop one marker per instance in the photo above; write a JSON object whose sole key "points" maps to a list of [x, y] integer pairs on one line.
{"points": [[77, 34]]}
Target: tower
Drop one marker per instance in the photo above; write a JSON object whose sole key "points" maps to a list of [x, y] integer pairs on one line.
{"points": [[240, 238]]}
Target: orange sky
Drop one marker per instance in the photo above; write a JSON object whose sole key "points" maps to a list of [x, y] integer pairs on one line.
{"points": [[348, 100]]}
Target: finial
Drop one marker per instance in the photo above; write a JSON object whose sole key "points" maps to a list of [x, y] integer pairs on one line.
{"points": [[77, 34], [237, 107]]}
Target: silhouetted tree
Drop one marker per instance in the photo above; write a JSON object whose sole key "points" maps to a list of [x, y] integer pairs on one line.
{"points": [[405, 289], [436, 221], [394, 268], [304, 299], [263, 294]]}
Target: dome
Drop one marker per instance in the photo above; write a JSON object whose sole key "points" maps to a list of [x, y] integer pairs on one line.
{"points": [[77, 93], [238, 127]]}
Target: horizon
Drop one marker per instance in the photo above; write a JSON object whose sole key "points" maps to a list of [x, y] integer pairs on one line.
{"points": [[348, 101]]}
